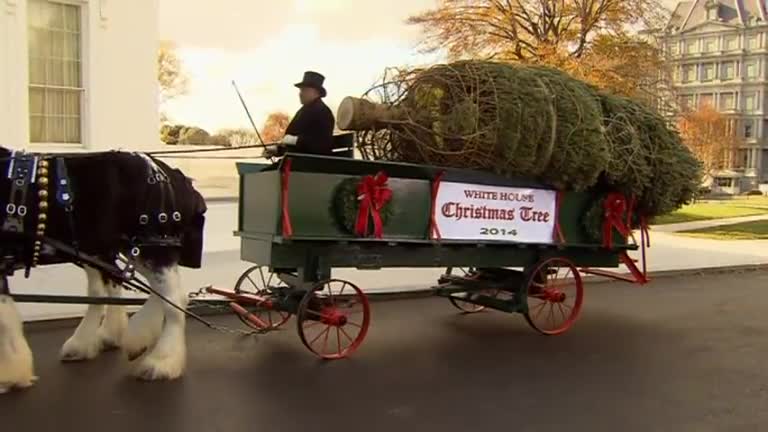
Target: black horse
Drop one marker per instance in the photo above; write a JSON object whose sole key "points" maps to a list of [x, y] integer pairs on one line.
{"points": [[112, 213]]}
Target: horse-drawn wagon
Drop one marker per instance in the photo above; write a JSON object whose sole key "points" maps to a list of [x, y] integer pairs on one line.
{"points": [[511, 245]]}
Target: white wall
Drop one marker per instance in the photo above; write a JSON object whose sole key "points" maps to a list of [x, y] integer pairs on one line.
{"points": [[120, 41]]}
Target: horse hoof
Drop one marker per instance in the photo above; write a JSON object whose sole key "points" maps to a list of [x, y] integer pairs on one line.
{"points": [[73, 351]]}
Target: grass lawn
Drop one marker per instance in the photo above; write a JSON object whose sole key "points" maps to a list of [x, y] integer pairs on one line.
{"points": [[757, 230], [717, 210]]}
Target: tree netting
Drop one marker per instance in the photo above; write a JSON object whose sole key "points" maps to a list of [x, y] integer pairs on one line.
{"points": [[525, 121]]}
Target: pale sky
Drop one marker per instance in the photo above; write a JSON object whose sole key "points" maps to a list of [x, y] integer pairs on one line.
{"points": [[266, 45]]}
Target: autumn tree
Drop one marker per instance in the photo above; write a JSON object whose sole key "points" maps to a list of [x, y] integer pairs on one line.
{"points": [[240, 137], [596, 40], [171, 77], [275, 126], [710, 136]]}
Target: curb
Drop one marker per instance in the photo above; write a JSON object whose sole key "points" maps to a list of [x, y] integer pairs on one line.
{"points": [[222, 199], [58, 323]]}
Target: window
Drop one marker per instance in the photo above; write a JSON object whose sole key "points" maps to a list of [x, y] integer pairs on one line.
{"points": [[750, 101], [708, 72], [674, 48], [723, 182], [749, 129], [686, 102], [691, 47], [751, 69], [728, 71], [742, 158], [710, 45], [55, 85], [753, 42], [689, 73], [728, 101], [706, 99], [731, 43]]}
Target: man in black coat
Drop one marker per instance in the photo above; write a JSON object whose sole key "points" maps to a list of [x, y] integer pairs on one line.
{"points": [[311, 129]]}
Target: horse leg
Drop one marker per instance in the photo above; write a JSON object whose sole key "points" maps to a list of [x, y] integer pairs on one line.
{"points": [[85, 342], [16, 364], [167, 359], [115, 320], [143, 328]]}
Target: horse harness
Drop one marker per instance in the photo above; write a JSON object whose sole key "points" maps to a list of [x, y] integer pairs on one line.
{"points": [[29, 176]]}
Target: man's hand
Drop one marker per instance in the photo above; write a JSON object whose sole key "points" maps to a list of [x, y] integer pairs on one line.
{"points": [[290, 140], [269, 153]]}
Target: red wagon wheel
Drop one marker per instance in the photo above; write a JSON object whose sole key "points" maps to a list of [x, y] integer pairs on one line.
{"points": [[555, 293], [258, 283], [465, 306], [333, 319]]}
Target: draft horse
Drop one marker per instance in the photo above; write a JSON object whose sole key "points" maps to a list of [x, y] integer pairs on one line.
{"points": [[128, 211]]}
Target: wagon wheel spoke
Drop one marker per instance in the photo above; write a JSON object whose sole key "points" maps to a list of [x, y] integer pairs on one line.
{"points": [[344, 332], [563, 285], [327, 329], [336, 314], [265, 310]]}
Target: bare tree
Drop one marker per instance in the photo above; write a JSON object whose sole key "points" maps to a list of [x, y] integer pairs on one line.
{"points": [[594, 39], [240, 137], [170, 75]]}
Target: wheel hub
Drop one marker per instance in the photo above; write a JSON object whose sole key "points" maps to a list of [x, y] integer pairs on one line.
{"points": [[333, 317], [554, 296]]}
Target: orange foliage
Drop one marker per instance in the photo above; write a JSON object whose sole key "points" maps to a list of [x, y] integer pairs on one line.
{"points": [[588, 38], [274, 127], [710, 136]]}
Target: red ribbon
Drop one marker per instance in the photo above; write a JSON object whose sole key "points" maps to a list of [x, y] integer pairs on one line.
{"points": [[434, 231], [614, 206], [373, 194], [557, 233], [285, 176]]}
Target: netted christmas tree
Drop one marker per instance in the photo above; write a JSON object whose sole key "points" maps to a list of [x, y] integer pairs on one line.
{"points": [[525, 121]]}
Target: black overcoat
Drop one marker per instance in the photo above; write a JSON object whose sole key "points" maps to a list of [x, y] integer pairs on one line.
{"points": [[313, 125]]}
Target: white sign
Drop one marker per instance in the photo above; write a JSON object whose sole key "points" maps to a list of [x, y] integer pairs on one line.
{"points": [[477, 212]]}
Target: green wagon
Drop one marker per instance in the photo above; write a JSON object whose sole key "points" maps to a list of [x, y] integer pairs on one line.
{"points": [[507, 244]]}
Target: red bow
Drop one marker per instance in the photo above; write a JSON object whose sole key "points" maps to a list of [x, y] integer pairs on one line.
{"points": [[615, 205], [373, 194]]}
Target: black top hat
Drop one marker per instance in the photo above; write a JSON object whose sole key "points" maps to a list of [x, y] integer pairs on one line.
{"points": [[313, 80]]}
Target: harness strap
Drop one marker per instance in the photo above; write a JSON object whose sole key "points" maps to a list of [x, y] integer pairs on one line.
{"points": [[21, 173], [65, 196]]}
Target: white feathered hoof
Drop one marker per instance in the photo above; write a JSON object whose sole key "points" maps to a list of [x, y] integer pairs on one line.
{"points": [[143, 329], [113, 328], [80, 349], [157, 366], [16, 364]]}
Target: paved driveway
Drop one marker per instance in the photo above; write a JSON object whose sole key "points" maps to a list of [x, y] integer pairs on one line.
{"points": [[678, 355]]}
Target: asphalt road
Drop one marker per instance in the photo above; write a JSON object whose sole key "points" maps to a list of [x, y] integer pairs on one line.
{"points": [[678, 355]]}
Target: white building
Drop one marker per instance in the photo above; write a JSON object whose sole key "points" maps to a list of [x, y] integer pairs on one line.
{"points": [[719, 52], [78, 74]]}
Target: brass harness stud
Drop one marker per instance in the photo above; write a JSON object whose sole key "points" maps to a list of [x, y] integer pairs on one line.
{"points": [[42, 215]]}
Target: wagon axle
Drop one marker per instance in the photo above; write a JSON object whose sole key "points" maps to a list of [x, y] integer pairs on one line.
{"points": [[553, 296], [333, 317]]}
